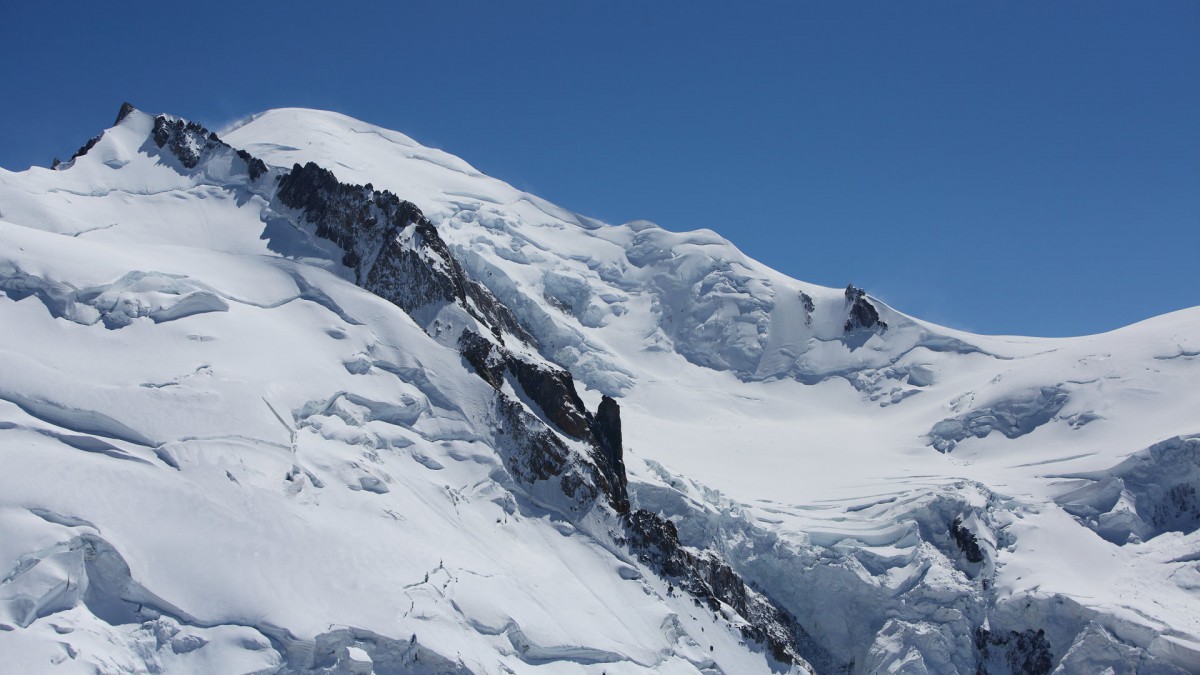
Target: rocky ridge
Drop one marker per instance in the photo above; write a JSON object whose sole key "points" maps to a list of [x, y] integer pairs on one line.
{"points": [[396, 253], [931, 578]]}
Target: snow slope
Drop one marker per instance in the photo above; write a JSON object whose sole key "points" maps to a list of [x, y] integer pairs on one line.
{"points": [[222, 452]]}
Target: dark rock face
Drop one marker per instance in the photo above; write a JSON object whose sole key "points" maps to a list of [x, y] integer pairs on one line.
{"points": [[126, 108], [366, 223], [809, 307], [532, 452], [606, 427], [807, 301], [255, 166], [86, 146], [967, 542], [543, 455], [862, 313], [359, 219], [192, 144], [1024, 653], [407, 278], [397, 254], [553, 391], [656, 541], [712, 582], [457, 286], [485, 358], [187, 141]]}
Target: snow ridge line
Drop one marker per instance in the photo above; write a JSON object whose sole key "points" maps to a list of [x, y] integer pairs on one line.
{"points": [[368, 225]]}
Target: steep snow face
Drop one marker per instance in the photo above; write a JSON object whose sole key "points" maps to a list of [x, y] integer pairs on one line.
{"points": [[596, 295], [733, 378], [343, 479], [219, 458]]}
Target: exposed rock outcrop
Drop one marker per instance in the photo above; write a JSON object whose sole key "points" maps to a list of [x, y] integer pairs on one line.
{"points": [[126, 108], [863, 314], [553, 392], [394, 250], [359, 219], [966, 540], [809, 307], [254, 166], [714, 583], [192, 144], [606, 427], [396, 253], [1027, 652], [83, 150], [187, 141], [534, 454]]}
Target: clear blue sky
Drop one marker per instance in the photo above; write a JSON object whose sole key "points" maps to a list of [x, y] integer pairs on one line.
{"points": [[1005, 167]]}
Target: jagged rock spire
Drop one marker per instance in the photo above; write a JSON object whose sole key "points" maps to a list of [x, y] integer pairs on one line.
{"points": [[126, 108]]}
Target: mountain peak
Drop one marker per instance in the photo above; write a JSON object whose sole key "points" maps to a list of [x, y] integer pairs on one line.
{"points": [[486, 434], [126, 108]]}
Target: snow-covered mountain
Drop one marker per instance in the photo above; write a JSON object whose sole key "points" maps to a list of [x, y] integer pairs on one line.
{"points": [[306, 396]]}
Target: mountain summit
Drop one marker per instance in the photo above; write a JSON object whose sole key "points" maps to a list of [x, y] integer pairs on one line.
{"points": [[304, 395]]}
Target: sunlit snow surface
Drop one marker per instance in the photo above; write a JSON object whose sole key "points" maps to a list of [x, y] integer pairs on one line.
{"points": [[199, 412]]}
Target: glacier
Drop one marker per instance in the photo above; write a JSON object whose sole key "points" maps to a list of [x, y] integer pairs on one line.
{"points": [[264, 390]]}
